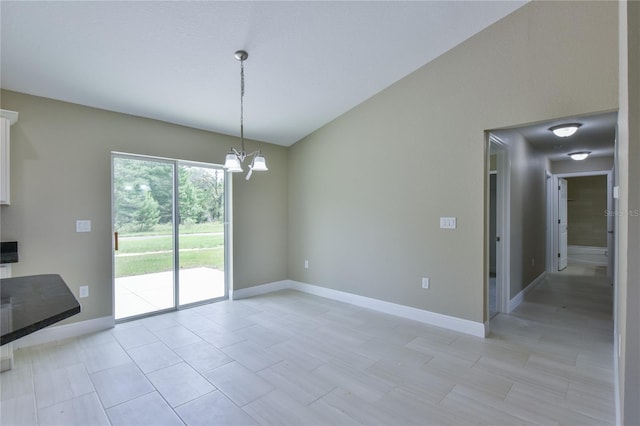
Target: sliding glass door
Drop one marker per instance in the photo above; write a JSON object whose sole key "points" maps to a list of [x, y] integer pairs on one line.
{"points": [[169, 234], [201, 235]]}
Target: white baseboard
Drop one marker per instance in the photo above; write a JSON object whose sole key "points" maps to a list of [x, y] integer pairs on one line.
{"points": [[452, 323], [243, 293], [517, 300], [587, 250], [588, 255], [64, 331]]}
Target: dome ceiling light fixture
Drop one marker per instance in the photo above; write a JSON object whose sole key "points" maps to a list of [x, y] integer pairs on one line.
{"points": [[565, 130], [234, 158], [579, 155]]}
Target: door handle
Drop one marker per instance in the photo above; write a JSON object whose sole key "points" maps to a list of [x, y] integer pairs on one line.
{"points": [[115, 237]]}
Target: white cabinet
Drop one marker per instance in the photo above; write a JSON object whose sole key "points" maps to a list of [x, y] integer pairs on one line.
{"points": [[7, 118], [5, 270]]}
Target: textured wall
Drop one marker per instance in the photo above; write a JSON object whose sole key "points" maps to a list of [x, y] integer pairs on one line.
{"points": [[61, 171], [367, 190], [586, 211]]}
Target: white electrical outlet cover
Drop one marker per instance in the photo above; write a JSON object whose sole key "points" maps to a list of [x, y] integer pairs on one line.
{"points": [[83, 226]]}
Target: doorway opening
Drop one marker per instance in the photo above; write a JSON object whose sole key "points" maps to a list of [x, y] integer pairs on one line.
{"points": [[170, 234], [585, 231], [497, 279]]}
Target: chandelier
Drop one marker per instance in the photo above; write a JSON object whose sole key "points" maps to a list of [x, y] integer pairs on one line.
{"points": [[234, 159]]}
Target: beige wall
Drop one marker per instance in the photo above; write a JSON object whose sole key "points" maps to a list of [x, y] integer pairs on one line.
{"points": [[61, 171], [627, 285], [367, 190], [587, 207], [527, 211]]}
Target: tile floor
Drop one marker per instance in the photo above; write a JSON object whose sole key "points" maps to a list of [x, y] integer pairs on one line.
{"points": [[292, 358]]}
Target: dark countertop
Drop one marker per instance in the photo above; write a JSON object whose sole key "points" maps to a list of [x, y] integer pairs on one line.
{"points": [[9, 252], [34, 302]]}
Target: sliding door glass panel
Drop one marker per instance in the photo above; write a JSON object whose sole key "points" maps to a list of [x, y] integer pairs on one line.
{"points": [[201, 254], [143, 210]]}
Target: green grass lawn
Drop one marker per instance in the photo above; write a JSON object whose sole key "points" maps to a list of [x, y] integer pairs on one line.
{"points": [[162, 262], [140, 244], [151, 252], [184, 229]]}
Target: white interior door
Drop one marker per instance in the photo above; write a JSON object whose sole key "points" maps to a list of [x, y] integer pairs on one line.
{"points": [[562, 224]]}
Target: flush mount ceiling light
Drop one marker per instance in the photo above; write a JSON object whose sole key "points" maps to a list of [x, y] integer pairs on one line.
{"points": [[234, 159], [579, 156], [565, 130]]}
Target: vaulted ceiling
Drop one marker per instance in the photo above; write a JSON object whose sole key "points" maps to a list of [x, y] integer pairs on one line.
{"points": [[309, 62]]}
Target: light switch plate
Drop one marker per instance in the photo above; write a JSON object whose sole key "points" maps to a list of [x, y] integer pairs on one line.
{"points": [[84, 291], [448, 223], [83, 226], [425, 283]]}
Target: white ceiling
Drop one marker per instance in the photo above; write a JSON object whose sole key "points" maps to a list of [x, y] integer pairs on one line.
{"points": [[596, 134], [309, 62]]}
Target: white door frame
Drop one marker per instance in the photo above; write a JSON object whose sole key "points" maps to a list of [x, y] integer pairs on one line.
{"points": [[550, 195], [552, 216], [563, 223], [503, 222]]}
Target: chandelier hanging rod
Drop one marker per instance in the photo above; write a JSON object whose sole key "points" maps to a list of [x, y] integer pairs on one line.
{"points": [[235, 158]]}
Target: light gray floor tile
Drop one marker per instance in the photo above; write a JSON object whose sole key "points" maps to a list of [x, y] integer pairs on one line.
{"points": [[252, 356], [231, 321], [365, 385], [94, 339], [478, 411], [409, 408], [301, 385], [203, 356], [552, 411], [153, 356], [19, 411], [192, 320], [119, 384], [213, 409], [179, 383], [131, 337], [301, 353], [367, 413], [219, 337], [55, 355], [158, 322], [81, 411], [263, 337], [238, 383], [177, 336], [149, 409], [102, 357], [15, 383], [61, 384], [293, 358], [278, 408], [485, 399]]}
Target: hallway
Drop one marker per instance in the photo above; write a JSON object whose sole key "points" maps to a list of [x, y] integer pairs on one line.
{"points": [[567, 324]]}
